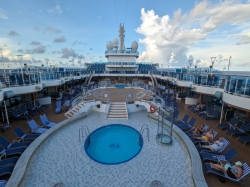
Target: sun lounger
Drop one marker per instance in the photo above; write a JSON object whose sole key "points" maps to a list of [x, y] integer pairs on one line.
{"points": [[25, 111], [14, 151], [244, 139], [231, 124], [223, 147], [183, 121], [187, 126], [58, 107], [8, 162], [229, 155], [7, 145], [246, 172], [240, 131], [23, 136], [6, 170], [34, 128], [190, 133], [213, 116], [5, 127], [16, 114], [46, 122]]}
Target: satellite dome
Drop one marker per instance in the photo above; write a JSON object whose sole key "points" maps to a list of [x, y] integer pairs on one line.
{"points": [[134, 46], [115, 43], [109, 45]]}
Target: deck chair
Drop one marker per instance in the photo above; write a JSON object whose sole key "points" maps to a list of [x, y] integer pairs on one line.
{"points": [[14, 151], [5, 127], [207, 111], [25, 111], [7, 145], [16, 114], [46, 122], [246, 172], [25, 137], [34, 128], [8, 162], [244, 139], [3, 183], [183, 121], [191, 133], [32, 108], [196, 141], [193, 106], [223, 147], [214, 115], [229, 155], [231, 124], [58, 107], [6, 170], [38, 105], [240, 131], [188, 125]]}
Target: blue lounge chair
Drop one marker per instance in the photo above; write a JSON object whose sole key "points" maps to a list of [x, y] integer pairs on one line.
{"points": [[23, 136], [38, 105], [58, 107], [187, 126], [214, 115], [244, 139], [196, 141], [193, 106], [240, 131], [229, 155], [25, 111], [190, 133], [5, 127], [14, 151], [46, 122], [33, 109], [8, 162], [183, 121], [7, 145], [231, 124], [6, 170], [223, 147], [204, 112], [16, 114], [246, 172], [34, 128], [3, 183]]}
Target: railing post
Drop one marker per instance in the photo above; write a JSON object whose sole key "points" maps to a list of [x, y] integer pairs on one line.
{"points": [[236, 86], [245, 86]]}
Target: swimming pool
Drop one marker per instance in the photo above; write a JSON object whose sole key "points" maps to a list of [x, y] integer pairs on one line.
{"points": [[113, 144]]}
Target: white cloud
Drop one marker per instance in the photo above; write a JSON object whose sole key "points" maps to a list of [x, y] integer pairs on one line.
{"points": [[2, 15], [167, 36], [56, 9]]}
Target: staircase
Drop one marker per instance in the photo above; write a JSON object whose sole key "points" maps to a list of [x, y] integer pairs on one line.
{"points": [[74, 110], [117, 110]]}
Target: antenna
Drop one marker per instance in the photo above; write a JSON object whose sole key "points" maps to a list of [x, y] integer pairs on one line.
{"points": [[229, 62]]}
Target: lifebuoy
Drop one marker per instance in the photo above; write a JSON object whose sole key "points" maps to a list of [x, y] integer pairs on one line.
{"points": [[152, 109]]}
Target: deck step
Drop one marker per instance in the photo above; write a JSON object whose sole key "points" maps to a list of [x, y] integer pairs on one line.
{"points": [[117, 110]]}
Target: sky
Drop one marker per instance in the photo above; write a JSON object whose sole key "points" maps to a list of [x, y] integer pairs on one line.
{"points": [[172, 33]]}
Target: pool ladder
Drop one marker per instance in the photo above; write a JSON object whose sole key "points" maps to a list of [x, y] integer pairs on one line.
{"points": [[144, 127], [86, 130]]}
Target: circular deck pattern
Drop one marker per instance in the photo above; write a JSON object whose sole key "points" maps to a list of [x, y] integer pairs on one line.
{"points": [[61, 158]]}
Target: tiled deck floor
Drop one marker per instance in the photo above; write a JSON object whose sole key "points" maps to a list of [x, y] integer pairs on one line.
{"points": [[212, 180], [62, 158]]}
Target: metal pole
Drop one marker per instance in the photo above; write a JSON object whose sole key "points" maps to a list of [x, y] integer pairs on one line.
{"points": [[229, 62], [6, 112], [222, 110], [20, 58], [245, 86]]}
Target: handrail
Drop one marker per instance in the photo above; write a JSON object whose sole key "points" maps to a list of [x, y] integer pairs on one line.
{"points": [[145, 128]]}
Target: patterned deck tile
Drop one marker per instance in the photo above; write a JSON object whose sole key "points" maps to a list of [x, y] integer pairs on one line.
{"points": [[62, 158]]}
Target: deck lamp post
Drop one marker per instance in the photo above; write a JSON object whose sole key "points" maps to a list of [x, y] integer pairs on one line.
{"points": [[20, 57], [47, 62], [212, 61], [229, 63]]}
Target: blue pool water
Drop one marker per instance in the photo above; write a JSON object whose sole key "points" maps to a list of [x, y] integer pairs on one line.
{"points": [[113, 144], [120, 85]]}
